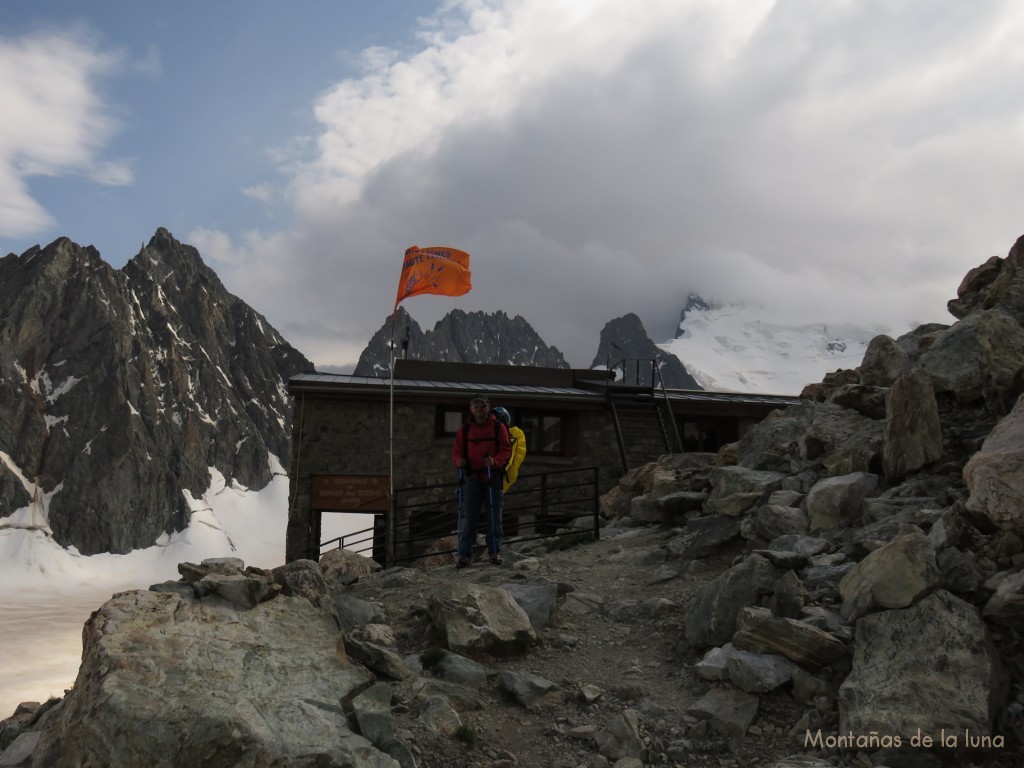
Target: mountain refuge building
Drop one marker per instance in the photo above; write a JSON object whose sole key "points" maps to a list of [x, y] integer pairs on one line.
{"points": [[383, 446]]}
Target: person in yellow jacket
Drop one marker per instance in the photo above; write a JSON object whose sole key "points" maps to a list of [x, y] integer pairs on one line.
{"points": [[518, 440]]}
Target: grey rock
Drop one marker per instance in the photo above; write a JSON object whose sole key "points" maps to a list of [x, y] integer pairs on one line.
{"points": [[460, 697], [782, 559], [730, 713], [264, 686], [884, 362], [711, 615], [1006, 606], [927, 667], [243, 591], [802, 761], [476, 618], [681, 503], [744, 482], [19, 753], [977, 359], [748, 671], [759, 672], [884, 507], [990, 474], [620, 738], [961, 573], [789, 597], [355, 612], [808, 546], [893, 576], [372, 709], [808, 646], [303, 579], [529, 690], [537, 600], [453, 667], [340, 567], [437, 714], [774, 520], [378, 658], [913, 432], [706, 535], [836, 501]]}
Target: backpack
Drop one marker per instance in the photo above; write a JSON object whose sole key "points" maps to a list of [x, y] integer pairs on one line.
{"points": [[518, 440], [465, 441]]}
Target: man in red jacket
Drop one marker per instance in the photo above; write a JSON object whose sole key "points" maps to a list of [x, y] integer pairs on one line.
{"points": [[481, 450]]}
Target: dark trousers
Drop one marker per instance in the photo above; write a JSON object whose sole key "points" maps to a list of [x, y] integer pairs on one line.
{"points": [[481, 494]]}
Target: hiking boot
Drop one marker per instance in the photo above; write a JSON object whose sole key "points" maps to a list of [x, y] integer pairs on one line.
{"points": [[496, 560], [463, 562]]}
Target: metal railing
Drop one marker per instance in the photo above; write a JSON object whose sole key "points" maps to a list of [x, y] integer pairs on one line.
{"points": [[638, 367], [539, 506]]}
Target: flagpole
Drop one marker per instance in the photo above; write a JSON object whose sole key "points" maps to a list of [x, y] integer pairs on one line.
{"points": [[390, 542]]}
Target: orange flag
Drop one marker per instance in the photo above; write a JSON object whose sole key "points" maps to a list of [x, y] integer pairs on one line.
{"points": [[436, 269]]}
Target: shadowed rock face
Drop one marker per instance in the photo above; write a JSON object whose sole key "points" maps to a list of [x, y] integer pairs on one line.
{"points": [[123, 387], [459, 337], [625, 338]]}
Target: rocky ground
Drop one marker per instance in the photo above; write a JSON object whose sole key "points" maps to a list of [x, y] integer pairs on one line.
{"points": [[628, 653]]}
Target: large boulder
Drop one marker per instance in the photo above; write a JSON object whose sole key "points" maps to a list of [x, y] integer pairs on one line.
{"points": [[928, 667], [998, 284], [892, 576], [884, 362], [913, 432], [169, 680], [995, 475], [473, 618], [735, 490], [837, 501], [712, 616], [978, 359]]}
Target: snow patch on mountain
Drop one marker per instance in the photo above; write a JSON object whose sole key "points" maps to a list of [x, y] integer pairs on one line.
{"points": [[735, 349]]}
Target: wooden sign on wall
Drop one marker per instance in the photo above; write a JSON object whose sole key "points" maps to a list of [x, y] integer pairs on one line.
{"points": [[351, 493]]}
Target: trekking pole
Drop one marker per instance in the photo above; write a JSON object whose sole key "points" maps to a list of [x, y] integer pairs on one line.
{"points": [[458, 523], [490, 511]]}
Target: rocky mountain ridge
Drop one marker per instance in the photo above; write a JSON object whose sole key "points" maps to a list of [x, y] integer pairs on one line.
{"points": [[124, 387], [458, 337], [844, 586]]}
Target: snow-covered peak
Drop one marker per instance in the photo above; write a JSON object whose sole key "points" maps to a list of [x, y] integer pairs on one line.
{"points": [[733, 349]]}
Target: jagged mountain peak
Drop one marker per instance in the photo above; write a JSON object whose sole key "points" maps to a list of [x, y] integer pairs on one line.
{"points": [[170, 263], [61, 258], [694, 303], [127, 386], [460, 336], [625, 338]]}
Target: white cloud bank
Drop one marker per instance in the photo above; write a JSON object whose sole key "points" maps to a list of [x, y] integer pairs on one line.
{"points": [[840, 162], [832, 162]]}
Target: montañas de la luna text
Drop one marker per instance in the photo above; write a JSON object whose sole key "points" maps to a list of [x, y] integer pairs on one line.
{"points": [[877, 740]]}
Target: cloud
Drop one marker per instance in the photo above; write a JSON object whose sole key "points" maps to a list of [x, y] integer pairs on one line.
{"points": [[48, 81], [258, 192], [832, 162]]}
